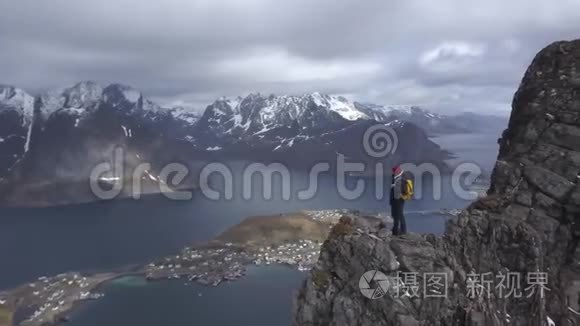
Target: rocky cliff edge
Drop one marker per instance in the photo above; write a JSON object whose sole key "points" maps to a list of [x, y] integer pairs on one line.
{"points": [[526, 226]]}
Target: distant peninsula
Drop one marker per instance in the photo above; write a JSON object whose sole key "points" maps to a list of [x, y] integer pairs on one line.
{"points": [[293, 239]]}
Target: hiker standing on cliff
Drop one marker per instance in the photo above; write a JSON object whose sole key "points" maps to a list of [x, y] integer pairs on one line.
{"points": [[401, 190]]}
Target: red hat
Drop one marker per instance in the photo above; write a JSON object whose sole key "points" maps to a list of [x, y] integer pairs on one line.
{"points": [[396, 170]]}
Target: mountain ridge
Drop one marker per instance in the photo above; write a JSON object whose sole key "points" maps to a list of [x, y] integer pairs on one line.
{"points": [[83, 93], [73, 129]]}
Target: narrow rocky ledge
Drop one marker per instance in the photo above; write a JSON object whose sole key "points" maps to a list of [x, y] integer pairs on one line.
{"points": [[527, 225]]}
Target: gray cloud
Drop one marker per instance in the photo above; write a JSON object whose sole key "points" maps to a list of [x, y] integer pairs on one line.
{"points": [[447, 55]]}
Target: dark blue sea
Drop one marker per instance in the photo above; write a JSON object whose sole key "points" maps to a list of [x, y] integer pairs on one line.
{"points": [[104, 235], [263, 297]]}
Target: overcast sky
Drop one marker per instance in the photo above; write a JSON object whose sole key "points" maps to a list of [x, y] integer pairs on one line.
{"points": [[447, 55]]}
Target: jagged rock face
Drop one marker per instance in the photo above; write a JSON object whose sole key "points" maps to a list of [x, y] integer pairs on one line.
{"points": [[528, 223]]}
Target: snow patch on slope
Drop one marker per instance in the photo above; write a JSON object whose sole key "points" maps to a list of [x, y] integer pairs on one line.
{"points": [[345, 108], [185, 114], [234, 103], [396, 124], [125, 131], [73, 111], [338, 104], [28, 136], [318, 99], [153, 178]]}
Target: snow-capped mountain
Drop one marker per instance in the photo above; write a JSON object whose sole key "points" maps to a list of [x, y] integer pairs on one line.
{"points": [[63, 134], [72, 130], [229, 121], [84, 98], [317, 127]]}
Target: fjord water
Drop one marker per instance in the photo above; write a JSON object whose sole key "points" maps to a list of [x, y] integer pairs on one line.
{"points": [[479, 148], [110, 234], [104, 235], [263, 297]]}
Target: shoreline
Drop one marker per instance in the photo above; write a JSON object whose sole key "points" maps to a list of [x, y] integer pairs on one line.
{"points": [[74, 304], [88, 201], [291, 239], [66, 315]]}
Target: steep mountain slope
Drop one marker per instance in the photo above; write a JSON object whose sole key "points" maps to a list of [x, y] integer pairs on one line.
{"points": [[16, 114], [74, 129], [528, 225]]}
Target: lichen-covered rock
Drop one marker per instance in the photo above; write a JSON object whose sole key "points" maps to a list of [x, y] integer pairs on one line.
{"points": [[528, 225]]}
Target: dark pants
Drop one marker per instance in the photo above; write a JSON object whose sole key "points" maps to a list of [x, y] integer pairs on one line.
{"points": [[399, 225]]}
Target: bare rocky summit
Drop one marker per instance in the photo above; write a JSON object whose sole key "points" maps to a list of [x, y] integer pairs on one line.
{"points": [[528, 225]]}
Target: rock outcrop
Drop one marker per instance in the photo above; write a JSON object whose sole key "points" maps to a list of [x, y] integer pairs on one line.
{"points": [[526, 227]]}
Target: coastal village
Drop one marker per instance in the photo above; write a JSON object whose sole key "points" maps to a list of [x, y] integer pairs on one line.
{"points": [[211, 266], [226, 261], [294, 240], [48, 300]]}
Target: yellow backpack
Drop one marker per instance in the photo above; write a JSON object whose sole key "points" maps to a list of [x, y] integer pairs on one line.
{"points": [[408, 190]]}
